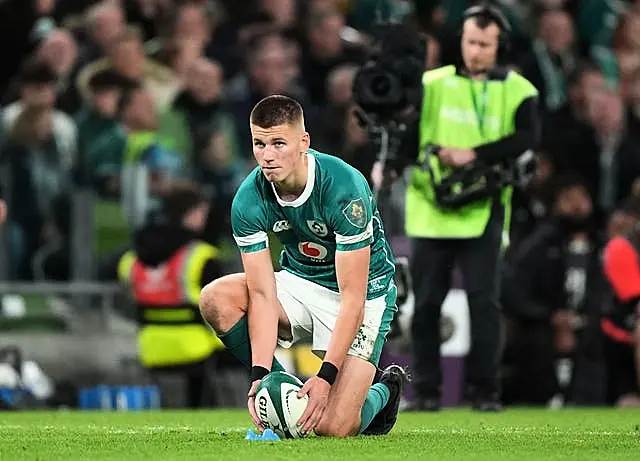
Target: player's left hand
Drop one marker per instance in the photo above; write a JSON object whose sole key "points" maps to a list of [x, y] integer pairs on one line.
{"points": [[318, 391]]}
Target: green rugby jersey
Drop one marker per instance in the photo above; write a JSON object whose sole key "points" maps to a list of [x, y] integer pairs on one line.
{"points": [[336, 211]]}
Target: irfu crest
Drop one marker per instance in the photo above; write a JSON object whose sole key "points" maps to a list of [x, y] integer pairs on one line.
{"points": [[356, 213]]}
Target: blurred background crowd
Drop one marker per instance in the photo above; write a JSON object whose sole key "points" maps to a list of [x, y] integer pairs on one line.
{"points": [[94, 92]]}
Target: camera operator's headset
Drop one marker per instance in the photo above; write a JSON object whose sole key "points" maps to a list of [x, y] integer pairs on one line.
{"points": [[475, 181]]}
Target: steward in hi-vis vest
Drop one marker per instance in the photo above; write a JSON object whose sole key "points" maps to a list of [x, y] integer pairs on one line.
{"points": [[165, 271]]}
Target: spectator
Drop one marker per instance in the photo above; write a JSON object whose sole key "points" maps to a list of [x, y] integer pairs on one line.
{"points": [[324, 49], [552, 58], [198, 117], [39, 175], [102, 138], [38, 90], [266, 73], [125, 55], [104, 23], [59, 50], [620, 322], [551, 294]]}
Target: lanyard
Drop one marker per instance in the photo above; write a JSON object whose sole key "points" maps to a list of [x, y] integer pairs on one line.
{"points": [[479, 107]]}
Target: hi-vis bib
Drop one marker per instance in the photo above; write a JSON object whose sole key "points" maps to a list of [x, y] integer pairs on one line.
{"points": [[172, 330], [462, 113]]}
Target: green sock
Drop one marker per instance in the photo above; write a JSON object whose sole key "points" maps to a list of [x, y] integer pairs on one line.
{"points": [[377, 398], [236, 341]]}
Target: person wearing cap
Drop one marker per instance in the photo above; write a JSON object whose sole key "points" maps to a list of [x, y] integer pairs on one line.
{"points": [[165, 270]]}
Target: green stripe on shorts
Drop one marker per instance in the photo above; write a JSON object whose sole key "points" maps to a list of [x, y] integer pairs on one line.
{"points": [[385, 323]]}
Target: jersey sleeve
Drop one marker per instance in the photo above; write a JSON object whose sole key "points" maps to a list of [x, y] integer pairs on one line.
{"points": [[622, 269], [350, 211], [248, 220]]}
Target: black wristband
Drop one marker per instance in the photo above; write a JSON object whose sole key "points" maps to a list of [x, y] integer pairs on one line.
{"points": [[258, 372], [328, 372]]}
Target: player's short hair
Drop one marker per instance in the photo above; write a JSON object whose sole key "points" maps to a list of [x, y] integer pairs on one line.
{"points": [[276, 110]]}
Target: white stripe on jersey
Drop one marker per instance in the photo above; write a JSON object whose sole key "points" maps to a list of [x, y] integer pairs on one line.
{"points": [[253, 239], [351, 239]]}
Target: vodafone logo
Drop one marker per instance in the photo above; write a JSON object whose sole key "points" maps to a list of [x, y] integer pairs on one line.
{"points": [[312, 250]]}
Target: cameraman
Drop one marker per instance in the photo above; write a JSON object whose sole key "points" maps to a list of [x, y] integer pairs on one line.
{"points": [[476, 118]]}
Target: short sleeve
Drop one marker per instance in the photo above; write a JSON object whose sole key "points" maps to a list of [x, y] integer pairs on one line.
{"points": [[350, 209], [248, 221], [621, 269]]}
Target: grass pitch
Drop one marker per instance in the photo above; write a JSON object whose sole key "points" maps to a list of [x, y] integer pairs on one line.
{"points": [[517, 434]]}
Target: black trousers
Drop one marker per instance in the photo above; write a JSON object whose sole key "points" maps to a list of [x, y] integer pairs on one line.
{"points": [[479, 261], [621, 370]]}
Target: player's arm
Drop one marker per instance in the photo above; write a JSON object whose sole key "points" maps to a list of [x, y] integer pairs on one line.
{"points": [[348, 205], [352, 270], [262, 314], [352, 222], [620, 261], [249, 231]]}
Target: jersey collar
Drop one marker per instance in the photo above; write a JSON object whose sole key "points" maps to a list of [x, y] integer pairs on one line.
{"points": [[308, 188]]}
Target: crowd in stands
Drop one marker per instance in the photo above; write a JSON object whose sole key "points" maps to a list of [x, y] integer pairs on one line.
{"points": [[91, 89]]}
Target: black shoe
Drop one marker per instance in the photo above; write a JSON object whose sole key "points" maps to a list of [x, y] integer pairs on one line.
{"points": [[394, 377], [423, 404], [488, 405]]}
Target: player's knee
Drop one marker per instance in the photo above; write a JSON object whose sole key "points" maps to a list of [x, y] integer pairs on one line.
{"points": [[337, 427], [221, 304]]}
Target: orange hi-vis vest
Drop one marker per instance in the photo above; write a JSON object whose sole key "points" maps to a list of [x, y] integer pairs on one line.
{"points": [[172, 330]]}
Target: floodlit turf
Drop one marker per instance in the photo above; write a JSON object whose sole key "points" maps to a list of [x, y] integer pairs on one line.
{"points": [[593, 434]]}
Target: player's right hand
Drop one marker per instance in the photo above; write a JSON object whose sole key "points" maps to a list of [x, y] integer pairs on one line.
{"points": [[251, 404]]}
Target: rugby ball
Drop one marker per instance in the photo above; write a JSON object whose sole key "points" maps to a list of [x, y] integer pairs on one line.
{"points": [[277, 404]]}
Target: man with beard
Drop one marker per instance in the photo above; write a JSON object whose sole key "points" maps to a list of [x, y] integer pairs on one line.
{"points": [[551, 297]]}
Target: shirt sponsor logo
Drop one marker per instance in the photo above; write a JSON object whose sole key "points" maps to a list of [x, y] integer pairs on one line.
{"points": [[313, 250], [280, 226]]}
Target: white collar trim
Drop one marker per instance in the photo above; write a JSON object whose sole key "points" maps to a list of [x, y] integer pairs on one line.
{"points": [[308, 188]]}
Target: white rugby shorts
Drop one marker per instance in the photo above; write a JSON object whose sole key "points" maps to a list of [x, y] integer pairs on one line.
{"points": [[312, 311]]}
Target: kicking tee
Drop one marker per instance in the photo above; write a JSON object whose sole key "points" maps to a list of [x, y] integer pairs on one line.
{"points": [[336, 211]]}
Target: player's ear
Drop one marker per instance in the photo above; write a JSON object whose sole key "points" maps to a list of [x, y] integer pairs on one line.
{"points": [[305, 142]]}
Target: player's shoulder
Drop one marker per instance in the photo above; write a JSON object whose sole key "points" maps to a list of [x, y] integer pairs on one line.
{"points": [[334, 171], [250, 185], [251, 190]]}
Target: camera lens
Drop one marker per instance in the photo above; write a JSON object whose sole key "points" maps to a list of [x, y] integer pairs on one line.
{"points": [[380, 85]]}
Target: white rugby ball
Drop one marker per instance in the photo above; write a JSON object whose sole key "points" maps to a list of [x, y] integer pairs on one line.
{"points": [[277, 404]]}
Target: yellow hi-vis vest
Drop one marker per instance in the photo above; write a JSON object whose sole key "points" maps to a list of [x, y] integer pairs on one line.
{"points": [[172, 331], [462, 113]]}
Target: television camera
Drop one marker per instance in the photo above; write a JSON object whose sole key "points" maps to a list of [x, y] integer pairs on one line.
{"points": [[387, 89]]}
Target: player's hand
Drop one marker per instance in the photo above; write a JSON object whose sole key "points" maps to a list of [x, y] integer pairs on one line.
{"points": [[251, 404], [318, 391]]}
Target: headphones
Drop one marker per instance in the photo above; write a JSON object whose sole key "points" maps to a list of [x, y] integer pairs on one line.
{"points": [[494, 15]]}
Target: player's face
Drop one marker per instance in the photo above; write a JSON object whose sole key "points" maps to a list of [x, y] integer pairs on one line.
{"points": [[278, 150], [479, 46]]}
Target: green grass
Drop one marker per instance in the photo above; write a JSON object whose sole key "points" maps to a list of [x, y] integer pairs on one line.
{"points": [[593, 434]]}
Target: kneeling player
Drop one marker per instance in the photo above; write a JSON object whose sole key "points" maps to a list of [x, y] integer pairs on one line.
{"points": [[336, 288]]}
